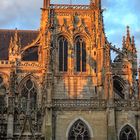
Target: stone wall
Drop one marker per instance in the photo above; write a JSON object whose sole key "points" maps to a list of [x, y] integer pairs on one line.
{"points": [[95, 120]]}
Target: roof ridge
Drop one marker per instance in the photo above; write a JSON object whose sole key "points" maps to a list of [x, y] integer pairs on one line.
{"points": [[13, 30]]}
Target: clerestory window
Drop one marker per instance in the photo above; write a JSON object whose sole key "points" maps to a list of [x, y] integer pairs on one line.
{"points": [[80, 51], [63, 54]]}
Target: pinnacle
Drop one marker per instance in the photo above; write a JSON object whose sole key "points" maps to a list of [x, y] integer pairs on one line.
{"points": [[128, 32]]}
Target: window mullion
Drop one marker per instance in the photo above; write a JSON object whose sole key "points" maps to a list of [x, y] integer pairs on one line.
{"points": [[63, 56], [81, 55]]}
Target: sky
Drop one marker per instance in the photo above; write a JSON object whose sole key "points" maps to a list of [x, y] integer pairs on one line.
{"points": [[117, 15]]}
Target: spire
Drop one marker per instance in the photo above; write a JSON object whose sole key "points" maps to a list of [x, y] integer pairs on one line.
{"points": [[14, 46], [133, 41], [16, 36], [46, 4], [45, 14], [128, 34], [128, 31], [123, 42], [133, 45]]}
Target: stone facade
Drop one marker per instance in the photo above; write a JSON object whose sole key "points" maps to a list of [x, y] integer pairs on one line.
{"points": [[62, 84]]}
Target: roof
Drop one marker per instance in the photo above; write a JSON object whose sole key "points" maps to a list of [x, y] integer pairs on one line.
{"points": [[26, 37]]}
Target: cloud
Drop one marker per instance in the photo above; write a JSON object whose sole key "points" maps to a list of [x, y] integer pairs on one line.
{"points": [[120, 13], [20, 14]]}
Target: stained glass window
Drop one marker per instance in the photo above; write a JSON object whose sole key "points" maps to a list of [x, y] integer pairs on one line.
{"points": [[63, 54], [80, 49], [79, 131], [28, 94], [127, 133]]}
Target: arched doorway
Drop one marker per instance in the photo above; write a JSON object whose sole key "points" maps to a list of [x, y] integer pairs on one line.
{"points": [[79, 131], [127, 133]]}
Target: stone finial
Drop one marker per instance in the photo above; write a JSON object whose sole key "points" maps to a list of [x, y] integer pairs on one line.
{"points": [[16, 42], [128, 39], [128, 32], [92, 2], [14, 47], [16, 36], [11, 46]]}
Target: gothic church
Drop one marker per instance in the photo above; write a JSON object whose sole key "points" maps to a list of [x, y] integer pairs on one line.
{"points": [[59, 82]]}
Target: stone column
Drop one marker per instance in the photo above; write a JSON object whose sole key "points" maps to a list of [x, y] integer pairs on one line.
{"points": [[111, 116], [48, 125], [47, 122], [137, 117], [10, 118], [111, 125]]}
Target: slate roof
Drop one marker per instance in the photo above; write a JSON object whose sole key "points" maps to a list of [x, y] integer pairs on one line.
{"points": [[26, 37]]}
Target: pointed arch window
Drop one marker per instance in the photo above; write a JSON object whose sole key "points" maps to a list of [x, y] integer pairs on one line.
{"points": [[80, 50], [63, 54], [29, 95], [2, 97], [118, 86], [2, 101], [79, 131], [127, 133], [2, 93], [3, 116]]}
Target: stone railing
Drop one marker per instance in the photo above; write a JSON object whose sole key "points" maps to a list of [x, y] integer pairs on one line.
{"points": [[29, 64], [68, 6], [127, 104], [79, 104], [95, 104], [5, 62], [27, 137]]}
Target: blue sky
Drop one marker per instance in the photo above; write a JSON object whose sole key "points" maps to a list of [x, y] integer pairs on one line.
{"points": [[118, 14]]}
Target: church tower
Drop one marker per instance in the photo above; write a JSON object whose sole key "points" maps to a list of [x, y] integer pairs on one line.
{"points": [[59, 82]]}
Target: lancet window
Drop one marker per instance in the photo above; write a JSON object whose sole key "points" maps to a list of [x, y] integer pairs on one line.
{"points": [[127, 133], [63, 54], [80, 51], [2, 93], [3, 112], [29, 95], [79, 131]]}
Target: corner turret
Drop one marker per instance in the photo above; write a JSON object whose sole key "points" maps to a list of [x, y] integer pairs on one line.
{"points": [[46, 4], [96, 3]]}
